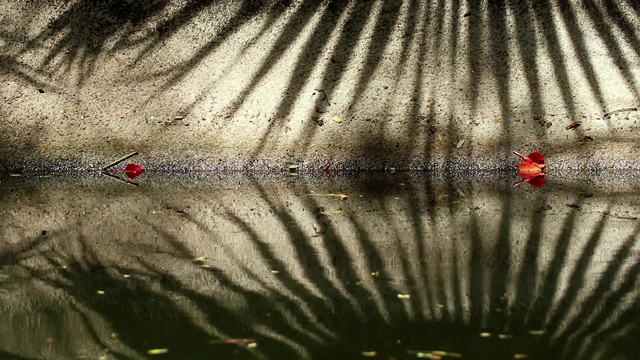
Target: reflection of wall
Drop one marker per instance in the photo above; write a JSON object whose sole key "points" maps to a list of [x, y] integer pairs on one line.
{"points": [[303, 273]]}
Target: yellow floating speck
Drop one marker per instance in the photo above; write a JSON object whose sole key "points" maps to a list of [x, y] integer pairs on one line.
{"points": [[404, 296], [520, 356], [369, 353], [100, 292], [157, 351], [485, 334], [336, 119]]}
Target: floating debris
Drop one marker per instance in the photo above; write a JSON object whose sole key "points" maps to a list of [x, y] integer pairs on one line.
{"points": [[531, 169], [340, 196], [133, 170], [573, 125], [536, 332], [404, 296], [336, 119], [100, 292], [436, 354], [157, 351], [485, 334], [369, 353], [247, 342]]}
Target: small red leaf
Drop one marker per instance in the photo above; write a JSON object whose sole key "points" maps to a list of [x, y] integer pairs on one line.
{"points": [[537, 181], [133, 170], [537, 157], [531, 169], [532, 164]]}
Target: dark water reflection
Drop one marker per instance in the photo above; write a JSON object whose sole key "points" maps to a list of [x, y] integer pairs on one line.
{"points": [[408, 266]]}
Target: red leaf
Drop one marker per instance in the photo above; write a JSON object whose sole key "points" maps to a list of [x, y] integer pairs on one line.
{"points": [[535, 181], [133, 170], [531, 169], [537, 157], [532, 164]]}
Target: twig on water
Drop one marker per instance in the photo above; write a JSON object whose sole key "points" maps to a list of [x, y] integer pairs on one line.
{"points": [[119, 161], [131, 183]]}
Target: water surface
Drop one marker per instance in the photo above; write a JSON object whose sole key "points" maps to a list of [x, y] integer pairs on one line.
{"points": [[409, 265]]}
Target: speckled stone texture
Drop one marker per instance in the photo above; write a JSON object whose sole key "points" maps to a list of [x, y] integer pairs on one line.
{"points": [[363, 84]]}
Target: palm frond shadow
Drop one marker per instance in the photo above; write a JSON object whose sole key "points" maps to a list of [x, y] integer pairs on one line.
{"points": [[467, 44], [334, 293], [526, 313]]}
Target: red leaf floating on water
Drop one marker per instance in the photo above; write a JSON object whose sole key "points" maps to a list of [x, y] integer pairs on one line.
{"points": [[133, 170], [535, 181], [531, 169], [532, 164], [537, 157]]}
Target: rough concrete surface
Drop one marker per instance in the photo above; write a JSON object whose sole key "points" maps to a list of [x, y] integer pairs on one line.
{"points": [[412, 84]]}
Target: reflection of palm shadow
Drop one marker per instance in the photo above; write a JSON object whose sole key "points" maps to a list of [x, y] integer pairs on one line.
{"points": [[329, 307], [139, 316]]}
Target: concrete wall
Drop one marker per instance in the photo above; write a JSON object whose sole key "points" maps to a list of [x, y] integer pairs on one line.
{"points": [[416, 83]]}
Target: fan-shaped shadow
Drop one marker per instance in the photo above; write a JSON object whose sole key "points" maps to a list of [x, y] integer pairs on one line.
{"points": [[407, 265], [295, 65]]}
